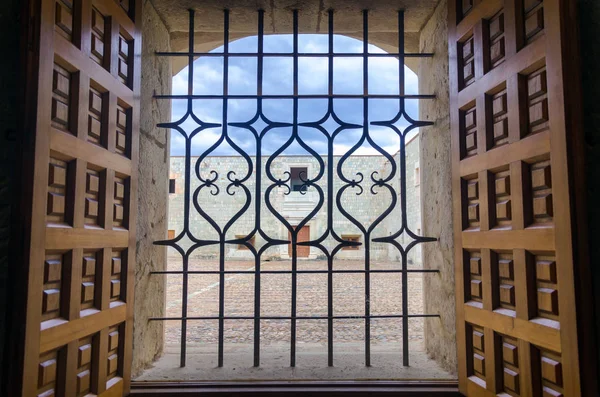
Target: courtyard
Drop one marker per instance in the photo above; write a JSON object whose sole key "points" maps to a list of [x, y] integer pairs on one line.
{"points": [[275, 295]]}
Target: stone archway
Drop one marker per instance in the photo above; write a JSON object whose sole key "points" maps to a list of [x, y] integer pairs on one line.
{"points": [[165, 29]]}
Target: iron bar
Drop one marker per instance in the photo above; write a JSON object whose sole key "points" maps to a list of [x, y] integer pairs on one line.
{"points": [[295, 96], [351, 317], [300, 54]]}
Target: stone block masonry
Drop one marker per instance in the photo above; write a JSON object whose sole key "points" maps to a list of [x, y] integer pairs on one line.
{"points": [[294, 207]]}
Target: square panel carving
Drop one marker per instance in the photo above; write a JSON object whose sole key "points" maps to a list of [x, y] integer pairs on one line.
{"points": [[122, 137], [53, 279], [541, 193], [63, 18], [124, 68], [118, 266], [471, 203], [121, 203], [85, 353], [533, 19], [505, 286], [47, 373], [496, 40], [96, 117], [94, 189], [497, 113], [468, 132], [58, 205], [473, 275], [537, 101], [98, 37], [478, 351], [510, 365], [62, 92], [502, 196], [547, 286], [90, 268], [114, 351], [466, 56], [552, 376]]}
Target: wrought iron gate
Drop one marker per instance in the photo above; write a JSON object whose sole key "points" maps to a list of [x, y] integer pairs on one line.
{"points": [[325, 172]]}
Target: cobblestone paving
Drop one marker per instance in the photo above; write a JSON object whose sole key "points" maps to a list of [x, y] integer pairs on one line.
{"points": [[348, 292]]}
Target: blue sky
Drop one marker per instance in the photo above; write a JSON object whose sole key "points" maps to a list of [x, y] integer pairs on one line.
{"points": [[277, 79]]}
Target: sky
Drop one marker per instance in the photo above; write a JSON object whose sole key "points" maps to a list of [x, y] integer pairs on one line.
{"points": [[277, 79]]}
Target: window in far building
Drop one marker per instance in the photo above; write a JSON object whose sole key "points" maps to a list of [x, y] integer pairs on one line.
{"points": [[171, 186], [298, 175], [417, 175]]}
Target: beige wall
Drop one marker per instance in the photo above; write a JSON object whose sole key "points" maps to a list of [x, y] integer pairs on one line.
{"points": [[152, 197], [436, 193]]}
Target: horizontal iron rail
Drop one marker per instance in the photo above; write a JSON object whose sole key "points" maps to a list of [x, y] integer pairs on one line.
{"points": [[300, 96], [291, 54], [297, 271], [349, 317]]}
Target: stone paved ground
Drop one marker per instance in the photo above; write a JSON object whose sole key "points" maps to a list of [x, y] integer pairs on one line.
{"points": [[203, 294]]}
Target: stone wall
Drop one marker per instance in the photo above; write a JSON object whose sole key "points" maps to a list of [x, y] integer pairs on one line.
{"points": [[152, 196], [436, 179], [295, 206]]}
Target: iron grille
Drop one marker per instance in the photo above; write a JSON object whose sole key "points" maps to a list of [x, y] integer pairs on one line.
{"points": [[191, 198]]}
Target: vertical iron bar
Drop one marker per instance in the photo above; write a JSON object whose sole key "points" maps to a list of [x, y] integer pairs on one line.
{"points": [[186, 205], [222, 237], [258, 187], [295, 233], [367, 234], [403, 192], [330, 197]]}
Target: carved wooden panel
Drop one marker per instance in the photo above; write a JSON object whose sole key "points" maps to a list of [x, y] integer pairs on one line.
{"points": [[537, 95], [469, 132], [534, 18], [118, 270], [471, 207], [89, 268], [512, 164], [120, 206], [63, 18], [62, 93], [85, 352], [502, 216], [122, 137], [57, 205], [497, 114], [53, 279], [94, 191], [541, 193], [98, 36], [497, 50], [80, 222], [124, 59], [510, 366], [467, 62]]}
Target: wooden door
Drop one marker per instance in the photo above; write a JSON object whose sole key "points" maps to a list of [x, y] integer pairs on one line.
{"points": [[79, 198], [302, 251], [516, 158]]}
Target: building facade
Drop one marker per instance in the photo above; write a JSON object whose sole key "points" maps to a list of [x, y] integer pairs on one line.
{"points": [[222, 204]]}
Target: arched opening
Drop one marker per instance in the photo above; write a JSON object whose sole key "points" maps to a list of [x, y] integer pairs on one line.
{"points": [[290, 110]]}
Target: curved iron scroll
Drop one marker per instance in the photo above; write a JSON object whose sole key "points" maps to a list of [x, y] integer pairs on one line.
{"points": [[236, 184]]}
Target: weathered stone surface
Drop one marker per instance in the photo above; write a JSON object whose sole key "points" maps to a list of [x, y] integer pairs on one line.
{"points": [[313, 18], [440, 334], [152, 194]]}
